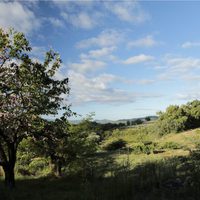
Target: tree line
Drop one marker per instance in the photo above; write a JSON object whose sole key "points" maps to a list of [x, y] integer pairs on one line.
{"points": [[179, 118]]}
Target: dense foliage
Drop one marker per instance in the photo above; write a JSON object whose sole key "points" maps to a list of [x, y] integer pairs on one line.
{"points": [[61, 146], [179, 118], [28, 89]]}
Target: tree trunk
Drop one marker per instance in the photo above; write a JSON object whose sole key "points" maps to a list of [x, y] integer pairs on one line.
{"points": [[58, 169], [51, 166], [56, 166], [9, 166], [9, 176]]}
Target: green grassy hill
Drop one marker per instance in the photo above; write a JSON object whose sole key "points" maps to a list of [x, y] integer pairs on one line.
{"points": [[143, 145], [149, 167]]}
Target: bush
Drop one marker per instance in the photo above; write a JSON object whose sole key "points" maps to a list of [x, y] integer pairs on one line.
{"points": [[146, 147], [24, 172], [37, 165], [137, 122], [24, 160], [170, 145], [138, 148], [146, 143], [179, 118], [115, 145]]}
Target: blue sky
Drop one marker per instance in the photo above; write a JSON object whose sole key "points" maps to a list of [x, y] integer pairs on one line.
{"points": [[124, 59]]}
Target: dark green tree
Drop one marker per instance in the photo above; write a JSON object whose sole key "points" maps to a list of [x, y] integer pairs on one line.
{"points": [[192, 110], [64, 143], [174, 119], [147, 118], [28, 89]]}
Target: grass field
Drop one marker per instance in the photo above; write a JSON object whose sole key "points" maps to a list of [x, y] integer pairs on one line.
{"points": [[169, 170]]}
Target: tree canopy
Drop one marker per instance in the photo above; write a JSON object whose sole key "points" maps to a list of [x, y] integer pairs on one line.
{"points": [[28, 90], [178, 118]]}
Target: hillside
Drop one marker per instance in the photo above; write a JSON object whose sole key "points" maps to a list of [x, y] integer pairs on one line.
{"points": [[142, 147], [149, 167]]}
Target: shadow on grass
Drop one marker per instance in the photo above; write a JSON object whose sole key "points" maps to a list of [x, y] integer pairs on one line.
{"points": [[175, 178]]}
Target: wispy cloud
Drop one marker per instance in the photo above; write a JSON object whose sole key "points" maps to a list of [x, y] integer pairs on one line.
{"points": [[82, 20], [71, 5], [178, 67], [180, 64], [190, 44], [191, 77], [103, 53], [98, 90], [138, 59], [38, 51], [189, 95], [83, 14], [56, 22], [129, 11], [80, 14], [14, 14], [87, 65], [147, 41], [104, 39], [145, 81]]}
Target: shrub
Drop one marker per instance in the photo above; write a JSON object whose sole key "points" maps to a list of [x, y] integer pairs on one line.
{"points": [[138, 148], [170, 145], [137, 122], [24, 160], [115, 145], [37, 165], [147, 143], [146, 147], [24, 172], [179, 118]]}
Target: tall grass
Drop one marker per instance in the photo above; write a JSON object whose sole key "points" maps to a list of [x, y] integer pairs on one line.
{"points": [[123, 174], [174, 178]]}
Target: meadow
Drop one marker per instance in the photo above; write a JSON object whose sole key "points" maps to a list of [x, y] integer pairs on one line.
{"points": [[150, 166]]}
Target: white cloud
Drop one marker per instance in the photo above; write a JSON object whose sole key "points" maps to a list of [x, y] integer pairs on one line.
{"points": [[138, 59], [190, 44], [128, 11], [191, 77], [147, 41], [178, 67], [56, 22], [189, 95], [14, 14], [87, 65], [145, 81], [104, 39], [80, 14], [61, 73], [103, 53], [71, 5], [84, 14], [82, 20], [38, 51], [98, 89]]}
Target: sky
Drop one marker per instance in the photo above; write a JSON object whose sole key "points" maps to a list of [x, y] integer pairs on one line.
{"points": [[124, 59]]}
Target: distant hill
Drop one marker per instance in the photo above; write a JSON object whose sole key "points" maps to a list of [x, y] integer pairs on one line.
{"points": [[134, 119], [124, 121]]}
